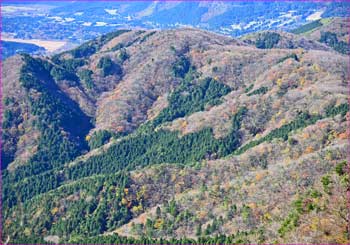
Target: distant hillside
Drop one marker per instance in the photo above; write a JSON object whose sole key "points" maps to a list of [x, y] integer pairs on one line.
{"points": [[12, 48], [177, 135], [333, 32], [323, 34], [77, 22], [283, 40]]}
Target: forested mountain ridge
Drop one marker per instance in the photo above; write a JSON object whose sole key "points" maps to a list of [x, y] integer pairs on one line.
{"points": [[329, 31], [178, 133], [323, 34]]}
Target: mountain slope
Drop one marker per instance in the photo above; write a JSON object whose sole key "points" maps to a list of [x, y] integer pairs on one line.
{"points": [[176, 133], [336, 25], [330, 31], [269, 39]]}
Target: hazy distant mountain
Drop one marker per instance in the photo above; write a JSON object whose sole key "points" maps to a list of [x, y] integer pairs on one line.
{"points": [[12, 48], [78, 21]]}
